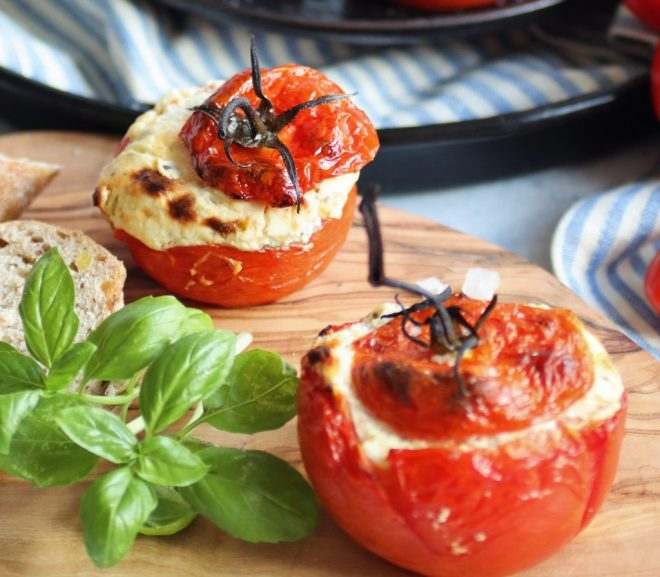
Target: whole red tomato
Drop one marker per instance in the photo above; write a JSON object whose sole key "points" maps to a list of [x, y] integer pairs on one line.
{"points": [[652, 284], [655, 82], [451, 483], [647, 10]]}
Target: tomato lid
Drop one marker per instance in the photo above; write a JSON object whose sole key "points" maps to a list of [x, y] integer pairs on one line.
{"points": [[249, 144], [530, 364]]}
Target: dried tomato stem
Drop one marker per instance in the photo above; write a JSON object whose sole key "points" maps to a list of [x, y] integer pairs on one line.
{"points": [[444, 322], [258, 128]]}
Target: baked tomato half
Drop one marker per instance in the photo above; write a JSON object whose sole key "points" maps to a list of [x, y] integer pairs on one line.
{"points": [[228, 277], [447, 5], [652, 283], [484, 478], [648, 11]]}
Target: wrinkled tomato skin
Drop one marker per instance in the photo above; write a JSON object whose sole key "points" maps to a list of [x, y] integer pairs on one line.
{"points": [[447, 5], [228, 277], [325, 141], [448, 513], [647, 10], [415, 393]]}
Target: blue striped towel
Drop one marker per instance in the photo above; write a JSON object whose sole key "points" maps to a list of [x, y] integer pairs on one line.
{"points": [[604, 243], [131, 52], [602, 248], [627, 27]]}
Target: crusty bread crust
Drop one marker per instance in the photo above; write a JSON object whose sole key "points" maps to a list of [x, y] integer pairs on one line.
{"points": [[98, 275], [21, 180]]}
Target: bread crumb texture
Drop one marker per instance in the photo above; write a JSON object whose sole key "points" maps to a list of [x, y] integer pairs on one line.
{"points": [[98, 276]]}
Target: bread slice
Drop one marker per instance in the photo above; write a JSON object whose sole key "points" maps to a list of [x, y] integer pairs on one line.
{"points": [[21, 180], [98, 276]]}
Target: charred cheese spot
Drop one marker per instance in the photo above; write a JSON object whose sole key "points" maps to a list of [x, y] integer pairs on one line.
{"points": [[152, 181], [96, 197], [318, 355], [396, 380], [222, 227], [182, 208], [326, 331]]}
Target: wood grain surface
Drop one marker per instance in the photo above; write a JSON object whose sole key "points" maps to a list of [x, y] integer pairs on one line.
{"points": [[39, 529]]}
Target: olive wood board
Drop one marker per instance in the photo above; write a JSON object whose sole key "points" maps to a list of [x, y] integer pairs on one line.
{"points": [[39, 529]]}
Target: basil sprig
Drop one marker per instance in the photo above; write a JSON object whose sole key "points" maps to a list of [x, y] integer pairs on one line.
{"points": [[54, 429]]}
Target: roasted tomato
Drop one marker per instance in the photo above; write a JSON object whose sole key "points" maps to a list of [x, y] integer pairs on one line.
{"points": [[652, 283], [483, 479], [647, 10], [229, 277], [246, 198], [447, 5], [325, 140]]}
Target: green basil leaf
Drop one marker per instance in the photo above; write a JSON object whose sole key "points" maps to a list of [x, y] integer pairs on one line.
{"points": [[100, 432], [13, 408], [47, 309], [259, 394], [65, 370], [18, 372], [112, 511], [130, 339], [40, 451], [171, 515], [185, 373], [165, 461], [253, 496]]}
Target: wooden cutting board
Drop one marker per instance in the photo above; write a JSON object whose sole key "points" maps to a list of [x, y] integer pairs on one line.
{"points": [[39, 530]]}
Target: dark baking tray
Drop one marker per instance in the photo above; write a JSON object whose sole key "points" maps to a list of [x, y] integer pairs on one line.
{"points": [[370, 21], [410, 158]]}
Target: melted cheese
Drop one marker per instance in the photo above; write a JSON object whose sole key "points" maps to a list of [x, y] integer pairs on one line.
{"points": [[377, 439], [154, 145]]}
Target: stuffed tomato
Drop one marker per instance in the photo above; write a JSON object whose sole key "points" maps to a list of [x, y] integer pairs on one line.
{"points": [[237, 194], [483, 473]]}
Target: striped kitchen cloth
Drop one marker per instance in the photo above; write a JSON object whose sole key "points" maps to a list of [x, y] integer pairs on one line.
{"points": [[602, 248], [132, 52]]}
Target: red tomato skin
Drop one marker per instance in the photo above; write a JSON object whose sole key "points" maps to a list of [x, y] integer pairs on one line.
{"points": [[327, 140], [228, 277], [652, 283], [447, 5], [444, 513], [655, 82], [647, 10], [400, 383]]}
